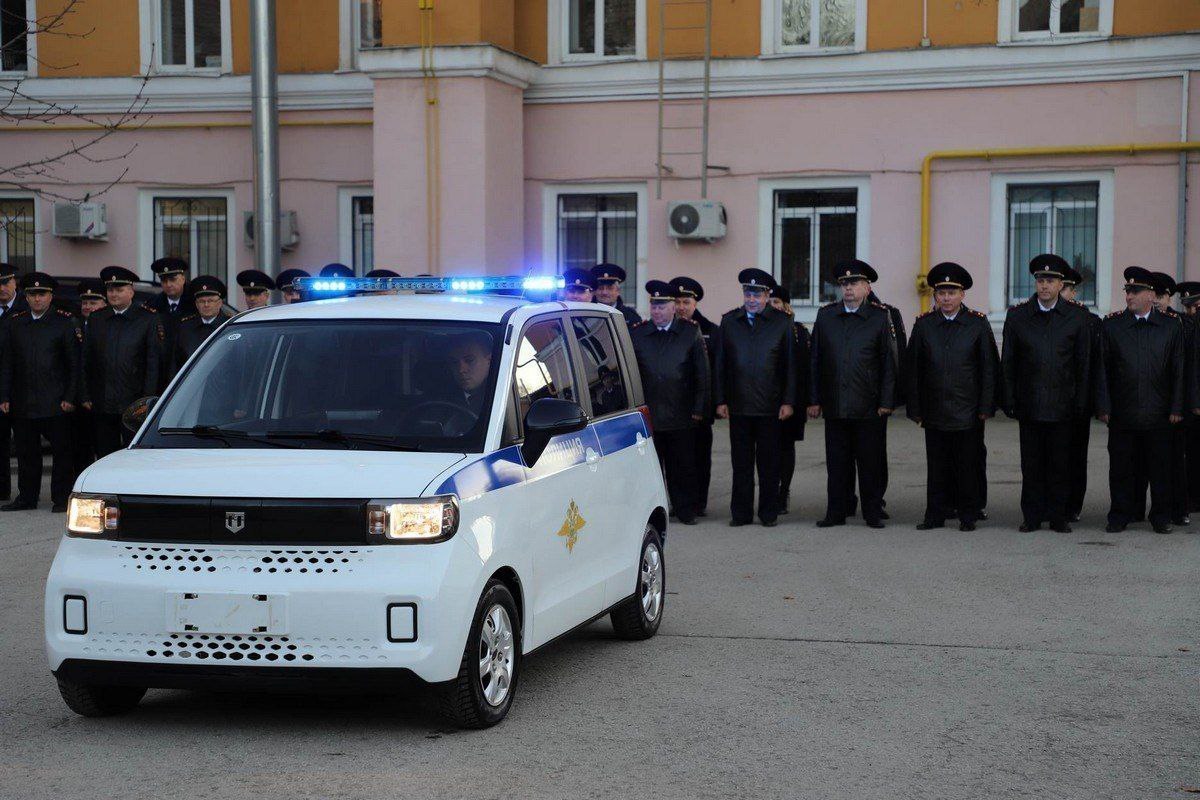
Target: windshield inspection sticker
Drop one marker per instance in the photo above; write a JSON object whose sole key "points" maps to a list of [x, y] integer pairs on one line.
{"points": [[233, 337]]}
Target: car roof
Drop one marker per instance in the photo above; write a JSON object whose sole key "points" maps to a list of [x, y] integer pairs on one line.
{"points": [[433, 306]]}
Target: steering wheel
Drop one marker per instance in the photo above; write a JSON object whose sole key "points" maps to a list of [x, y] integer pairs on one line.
{"points": [[445, 413]]}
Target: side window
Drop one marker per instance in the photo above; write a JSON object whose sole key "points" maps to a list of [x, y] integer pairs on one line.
{"points": [[598, 346], [543, 366]]}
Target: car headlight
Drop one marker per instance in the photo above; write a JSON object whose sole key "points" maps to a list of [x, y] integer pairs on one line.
{"points": [[93, 515], [422, 520]]}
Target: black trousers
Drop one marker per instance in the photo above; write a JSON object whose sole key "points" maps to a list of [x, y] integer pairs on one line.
{"points": [[787, 469], [111, 435], [28, 437], [981, 445], [1045, 461], [677, 457], [754, 446], [1131, 455], [854, 445], [1081, 434], [952, 476], [1191, 432], [703, 437], [83, 439], [1179, 482], [5, 455]]}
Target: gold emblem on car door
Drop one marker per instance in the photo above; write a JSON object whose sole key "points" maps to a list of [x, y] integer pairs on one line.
{"points": [[570, 527]]}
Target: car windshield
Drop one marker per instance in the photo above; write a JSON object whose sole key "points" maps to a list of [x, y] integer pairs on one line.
{"points": [[336, 384]]}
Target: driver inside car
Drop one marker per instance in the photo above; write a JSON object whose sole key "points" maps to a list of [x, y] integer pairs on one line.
{"points": [[470, 359]]}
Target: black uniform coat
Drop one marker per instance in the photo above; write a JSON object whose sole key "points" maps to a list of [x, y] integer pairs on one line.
{"points": [[674, 369], [854, 361], [950, 367], [631, 316], [901, 335], [1141, 379], [170, 323], [712, 340], [40, 364], [756, 371], [1046, 362], [193, 333], [793, 426], [121, 358]]}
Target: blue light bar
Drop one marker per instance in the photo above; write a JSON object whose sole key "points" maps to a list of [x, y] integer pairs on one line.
{"points": [[533, 283]]}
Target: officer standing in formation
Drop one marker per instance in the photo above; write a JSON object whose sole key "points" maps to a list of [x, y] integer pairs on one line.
{"points": [[1189, 298], [675, 378], [579, 286], [689, 293], [287, 285], [793, 426], [755, 389], [256, 288], [854, 369], [195, 329], [172, 305], [1164, 288], [609, 278], [39, 384], [83, 422], [10, 302], [950, 368], [1081, 426]]}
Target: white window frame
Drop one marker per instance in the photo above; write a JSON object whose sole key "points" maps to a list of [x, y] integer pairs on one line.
{"points": [[559, 18], [346, 195], [1008, 33], [147, 234], [550, 195], [37, 227], [766, 222], [998, 250], [349, 34], [149, 24], [772, 32], [30, 48]]}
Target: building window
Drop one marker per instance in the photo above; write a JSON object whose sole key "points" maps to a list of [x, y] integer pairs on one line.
{"points": [[600, 228], [368, 29], [18, 245], [362, 231], [189, 34], [595, 29], [814, 230], [195, 229], [14, 35], [799, 26], [1059, 218], [1052, 19]]}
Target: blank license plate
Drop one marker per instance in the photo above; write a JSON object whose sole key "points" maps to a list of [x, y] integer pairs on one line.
{"points": [[192, 612]]}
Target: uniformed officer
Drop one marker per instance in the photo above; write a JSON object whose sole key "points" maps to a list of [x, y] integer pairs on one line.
{"points": [[898, 331], [336, 270], [256, 288], [793, 427], [195, 329], [755, 389], [172, 304], [1046, 366], [1140, 395], [579, 286], [1189, 298], [39, 385], [1164, 288], [951, 368], [10, 301], [675, 379], [609, 278], [688, 294], [121, 358], [286, 283], [381, 273], [854, 367], [1081, 427], [83, 424]]}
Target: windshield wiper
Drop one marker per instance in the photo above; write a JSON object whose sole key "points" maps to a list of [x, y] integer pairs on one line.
{"points": [[219, 433], [342, 437]]}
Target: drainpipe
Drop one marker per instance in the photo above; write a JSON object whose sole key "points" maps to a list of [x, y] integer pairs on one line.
{"points": [[1181, 223], [264, 104]]}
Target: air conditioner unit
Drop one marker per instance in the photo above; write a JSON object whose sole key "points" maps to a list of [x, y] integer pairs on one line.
{"points": [[289, 231], [696, 219], [80, 220]]}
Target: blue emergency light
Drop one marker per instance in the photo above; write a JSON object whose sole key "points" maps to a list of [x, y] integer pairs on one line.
{"points": [[533, 283]]}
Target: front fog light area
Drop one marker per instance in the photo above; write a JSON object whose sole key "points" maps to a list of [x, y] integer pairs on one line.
{"points": [[432, 519]]}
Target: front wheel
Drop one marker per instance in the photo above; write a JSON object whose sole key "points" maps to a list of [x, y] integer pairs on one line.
{"points": [[639, 616], [482, 693], [99, 701]]}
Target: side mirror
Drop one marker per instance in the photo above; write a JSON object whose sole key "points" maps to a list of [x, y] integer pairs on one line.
{"points": [[547, 418], [133, 416]]}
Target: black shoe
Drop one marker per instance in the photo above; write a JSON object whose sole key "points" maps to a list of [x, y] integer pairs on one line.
{"points": [[770, 523], [983, 514], [1027, 528], [1073, 517], [929, 526], [966, 526], [1061, 527], [1113, 527], [58, 508], [783, 505], [1163, 529], [874, 523], [18, 505], [883, 515], [1181, 521], [688, 521], [737, 523], [702, 513], [830, 523]]}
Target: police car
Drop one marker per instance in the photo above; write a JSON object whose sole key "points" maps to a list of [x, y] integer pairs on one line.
{"points": [[431, 483]]}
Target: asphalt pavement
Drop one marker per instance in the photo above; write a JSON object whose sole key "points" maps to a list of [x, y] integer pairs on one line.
{"points": [[792, 663]]}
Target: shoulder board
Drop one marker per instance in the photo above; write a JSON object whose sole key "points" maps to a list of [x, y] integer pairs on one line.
{"points": [[925, 314], [979, 314], [1015, 307], [149, 308], [189, 316], [681, 319], [1114, 314], [831, 305], [22, 313], [878, 304], [62, 313]]}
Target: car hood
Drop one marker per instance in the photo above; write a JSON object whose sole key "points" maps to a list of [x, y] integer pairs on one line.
{"points": [[244, 472]]}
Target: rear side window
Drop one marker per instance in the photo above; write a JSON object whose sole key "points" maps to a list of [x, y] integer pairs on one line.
{"points": [[601, 366], [543, 366]]}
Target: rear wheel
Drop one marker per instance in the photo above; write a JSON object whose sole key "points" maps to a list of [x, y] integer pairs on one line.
{"points": [[99, 701], [482, 693], [639, 616]]}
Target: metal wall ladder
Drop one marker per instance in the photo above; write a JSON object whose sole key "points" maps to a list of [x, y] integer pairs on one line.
{"points": [[684, 35]]}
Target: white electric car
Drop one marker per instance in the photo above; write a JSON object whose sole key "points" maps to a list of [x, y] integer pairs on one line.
{"points": [[355, 491]]}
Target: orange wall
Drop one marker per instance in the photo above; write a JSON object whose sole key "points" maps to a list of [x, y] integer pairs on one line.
{"points": [[110, 45], [531, 32], [896, 24], [1143, 17], [306, 35], [737, 29], [454, 22]]}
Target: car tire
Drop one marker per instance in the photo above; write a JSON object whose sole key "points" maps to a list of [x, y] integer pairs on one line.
{"points": [[480, 696], [639, 616], [88, 700]]}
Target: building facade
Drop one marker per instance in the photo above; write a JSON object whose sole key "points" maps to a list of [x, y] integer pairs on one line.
{"points": [[505, 136]]}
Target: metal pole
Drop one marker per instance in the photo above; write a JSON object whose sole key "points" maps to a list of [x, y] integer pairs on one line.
{"points": [[264, 106], [707, 84], [1181, 219]]}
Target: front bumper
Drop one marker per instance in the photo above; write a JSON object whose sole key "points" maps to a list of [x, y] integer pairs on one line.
{"points": [[335, 603]]}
